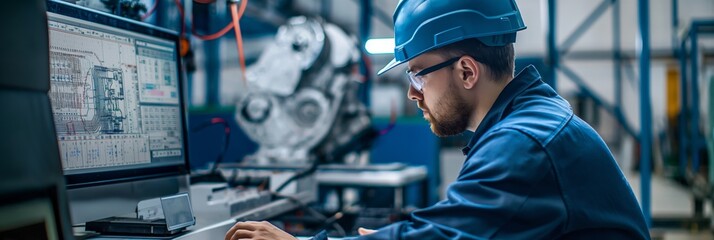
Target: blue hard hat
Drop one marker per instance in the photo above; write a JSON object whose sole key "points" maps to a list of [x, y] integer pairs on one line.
{"points": [[424, 25]]}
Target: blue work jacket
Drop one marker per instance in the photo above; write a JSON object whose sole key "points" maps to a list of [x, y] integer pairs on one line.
{"points": [[533, 170]]}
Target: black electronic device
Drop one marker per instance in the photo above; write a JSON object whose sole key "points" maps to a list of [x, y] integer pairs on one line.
{"points": [[130, 226], [177, 215]]}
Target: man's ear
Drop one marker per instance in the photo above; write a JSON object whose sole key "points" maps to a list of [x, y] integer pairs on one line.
{"points": [[469, 71]]}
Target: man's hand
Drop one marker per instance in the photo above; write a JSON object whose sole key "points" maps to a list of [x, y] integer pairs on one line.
{"points": [[257, 231], [364, 231]]}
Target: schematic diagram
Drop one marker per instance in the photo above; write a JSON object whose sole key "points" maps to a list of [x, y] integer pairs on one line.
{"points": [[91, 73], [69, 94], [93, 77], [109, 98], [115, 97]]}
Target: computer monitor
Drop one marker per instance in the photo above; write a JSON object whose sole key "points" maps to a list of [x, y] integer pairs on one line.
{"points": [[119, 111]]}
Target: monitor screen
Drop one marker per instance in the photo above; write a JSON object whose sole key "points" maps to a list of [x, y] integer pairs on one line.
{"points": [[116, 97]]}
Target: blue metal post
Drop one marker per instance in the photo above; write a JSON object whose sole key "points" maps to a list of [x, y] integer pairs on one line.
{"points": [[553, 55], [645, 108], [675, 25], [684, 101], [364, 32], [325, 9], [617, 63], [213, 75], [694, 81], [188, 89], [213, 59], [365, 21], [617, 55]]}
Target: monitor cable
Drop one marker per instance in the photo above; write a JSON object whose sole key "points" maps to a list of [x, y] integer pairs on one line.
{"points": [[306, 172]]}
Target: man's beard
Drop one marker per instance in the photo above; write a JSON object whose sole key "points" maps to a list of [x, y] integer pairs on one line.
{"points": [[451, 116]]}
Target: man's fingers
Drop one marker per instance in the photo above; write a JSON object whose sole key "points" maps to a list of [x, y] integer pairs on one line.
{"points": [[231, 231], [364, 231], [248, 225], [251, 226], [241, 234]]}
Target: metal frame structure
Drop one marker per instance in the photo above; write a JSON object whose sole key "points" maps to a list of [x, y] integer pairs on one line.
{"points": [[555, 54], [690, 82], [686, 50], [643, 51], [692, 140]]}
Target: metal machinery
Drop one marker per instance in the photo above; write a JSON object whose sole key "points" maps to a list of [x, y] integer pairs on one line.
{"points": [[301, 107], [302, 103]]}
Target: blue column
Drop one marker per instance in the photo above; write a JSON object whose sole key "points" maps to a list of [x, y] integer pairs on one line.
{"points": [[553, 55], [188, 89], [675, 25], [365, 28], [617, 65], [684, 102], [695, 137], [645, 108], [617, 56], [325, 9], [213, 72], [212, 51]]}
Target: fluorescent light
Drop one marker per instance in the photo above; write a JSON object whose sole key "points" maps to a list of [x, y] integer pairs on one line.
{"points": [[380, 46]]}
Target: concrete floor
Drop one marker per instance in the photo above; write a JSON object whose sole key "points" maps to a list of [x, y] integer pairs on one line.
{"points": [[668, 198], [685, 235]]}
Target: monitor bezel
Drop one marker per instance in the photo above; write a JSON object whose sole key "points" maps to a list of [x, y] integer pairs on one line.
{"points": [[81, 180]]}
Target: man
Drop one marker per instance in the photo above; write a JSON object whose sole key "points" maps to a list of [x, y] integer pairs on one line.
{"points": [[533, 169]]}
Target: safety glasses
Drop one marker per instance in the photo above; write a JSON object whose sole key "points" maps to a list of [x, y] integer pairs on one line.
{"points": [[417, 80]]}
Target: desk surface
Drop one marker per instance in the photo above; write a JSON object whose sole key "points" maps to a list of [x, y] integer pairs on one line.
{"points": [[217, 230], [397, 178]]}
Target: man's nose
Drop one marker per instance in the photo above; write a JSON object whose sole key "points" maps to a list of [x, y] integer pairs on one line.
{"points": [[414, 95]]}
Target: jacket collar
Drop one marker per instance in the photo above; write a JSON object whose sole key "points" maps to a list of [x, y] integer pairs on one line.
{"points": [[498, 111]]}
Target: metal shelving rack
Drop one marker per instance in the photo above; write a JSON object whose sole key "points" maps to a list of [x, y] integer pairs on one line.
{"points": [[556, 52], [692, 140]]}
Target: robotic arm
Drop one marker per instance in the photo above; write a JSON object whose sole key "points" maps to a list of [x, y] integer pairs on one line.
{"points": [[301, 104]]}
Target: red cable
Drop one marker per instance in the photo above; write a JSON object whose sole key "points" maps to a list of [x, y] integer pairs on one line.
{"points": [[226, 127], [214, 35], [217, 120], [151, 11], [237, 14]]}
